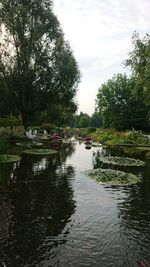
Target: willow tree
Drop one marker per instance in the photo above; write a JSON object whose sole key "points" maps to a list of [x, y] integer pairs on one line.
{"points": [[36, 63]]}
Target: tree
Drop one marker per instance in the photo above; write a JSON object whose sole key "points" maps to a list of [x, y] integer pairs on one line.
{"points": [[96, 120], [36, 63], [82, 120], [119, 108], [62, 115], [139, 62]]}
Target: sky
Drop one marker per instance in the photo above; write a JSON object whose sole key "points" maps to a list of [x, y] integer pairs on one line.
{"points": [[100, 32]]}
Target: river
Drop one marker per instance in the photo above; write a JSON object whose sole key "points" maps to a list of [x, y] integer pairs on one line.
{"points": [[53, 214]]}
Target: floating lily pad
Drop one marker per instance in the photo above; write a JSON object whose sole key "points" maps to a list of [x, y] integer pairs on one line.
{"points": [[29, 144], [113, 177], [40, 151], [122, 161], [9, 158]]}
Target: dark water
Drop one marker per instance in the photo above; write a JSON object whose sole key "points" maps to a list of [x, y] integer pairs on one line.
{"points": [[53, 214]]}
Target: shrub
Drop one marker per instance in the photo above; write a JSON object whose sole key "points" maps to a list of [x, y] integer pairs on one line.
{"points": [[113, 137], [48, 127], [10, 121]]}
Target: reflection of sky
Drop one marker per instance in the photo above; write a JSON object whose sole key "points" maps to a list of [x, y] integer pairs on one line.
{"points": [[40, 165], [82, 159], [99, 33]]}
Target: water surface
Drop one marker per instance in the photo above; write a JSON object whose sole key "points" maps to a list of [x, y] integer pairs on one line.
{"points": [[53, 214]]}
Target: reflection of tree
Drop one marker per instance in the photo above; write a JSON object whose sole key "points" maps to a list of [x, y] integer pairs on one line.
{"points": [[7, 176], [37, 211], [96, 154], [134, 216], [108, 151]]}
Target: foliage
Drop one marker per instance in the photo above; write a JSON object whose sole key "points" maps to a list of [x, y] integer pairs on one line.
{"points": [[10, 121], [121, 161], [48, 127], [4, 158], [3, 145], [96, 120], [113, 177], [113, 137], [118, 106], [37, 67], [105, 136], [62, 114], [40, 151], [139, 62], [82, 120]]}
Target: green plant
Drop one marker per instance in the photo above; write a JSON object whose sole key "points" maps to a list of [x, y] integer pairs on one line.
{"points": [[5, 158], [40, 151], [113, 177], [48, 127], [3, 145], [122, 161], [113, 137]]}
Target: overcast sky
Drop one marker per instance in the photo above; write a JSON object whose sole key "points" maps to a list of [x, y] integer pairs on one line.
{"points": [[99, 32]]}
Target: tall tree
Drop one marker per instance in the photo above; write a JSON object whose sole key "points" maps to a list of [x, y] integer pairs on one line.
{"points": [[139, 62], [96, 120], [119, 108], [82, 120], [36, 63]]}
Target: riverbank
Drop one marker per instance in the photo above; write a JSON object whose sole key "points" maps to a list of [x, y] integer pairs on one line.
{"points": [[113, 137]]}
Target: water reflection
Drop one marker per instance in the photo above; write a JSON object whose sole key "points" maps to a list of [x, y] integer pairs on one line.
{"points": [[134, 215], [53, 214], [7, 174], [34, 215]]}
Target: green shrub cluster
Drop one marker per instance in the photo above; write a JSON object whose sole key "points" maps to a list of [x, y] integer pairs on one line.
{"points": [[113, 137], [48, 127], [10, 121]]}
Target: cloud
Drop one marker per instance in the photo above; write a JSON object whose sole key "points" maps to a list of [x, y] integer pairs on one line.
{"points": [[100, 34]]}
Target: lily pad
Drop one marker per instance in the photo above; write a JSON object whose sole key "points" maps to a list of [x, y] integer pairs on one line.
{"points": [[113, 177], [5, 158], [40, 151], [122, 161]]}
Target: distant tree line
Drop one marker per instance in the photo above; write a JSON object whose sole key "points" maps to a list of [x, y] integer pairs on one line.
{"points": [[38, 72], [124, 102], [83, 120]]}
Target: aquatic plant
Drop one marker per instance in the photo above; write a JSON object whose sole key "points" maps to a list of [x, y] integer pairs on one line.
{"points": [[40, 151], [121, 161], [5, 158], [113, 177], [27, 144]]}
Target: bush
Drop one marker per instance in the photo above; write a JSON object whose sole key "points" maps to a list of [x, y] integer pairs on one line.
{"points": [[48, 127], [10, 121], [113, 137]]}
